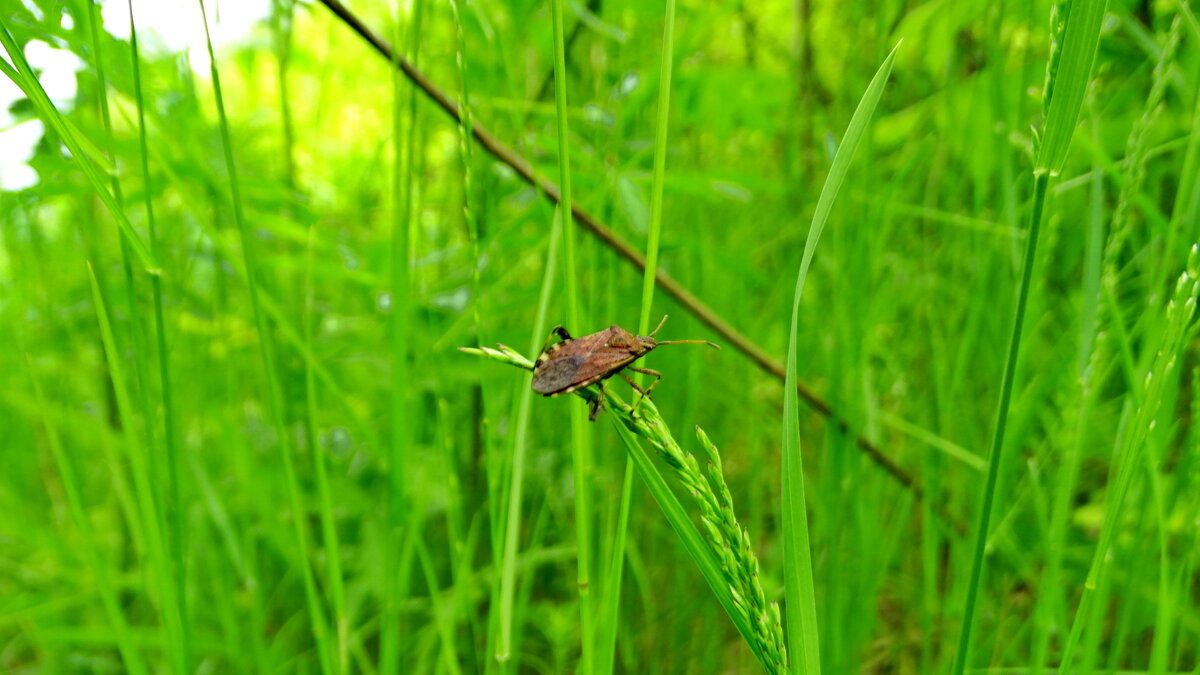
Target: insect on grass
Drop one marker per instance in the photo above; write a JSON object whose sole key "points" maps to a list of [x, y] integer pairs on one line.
{"points": [[574, 363]]}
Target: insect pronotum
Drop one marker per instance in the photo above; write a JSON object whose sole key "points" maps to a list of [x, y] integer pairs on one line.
{"points": [[574, 363]]}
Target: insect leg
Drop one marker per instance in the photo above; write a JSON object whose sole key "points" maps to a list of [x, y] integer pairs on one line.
{"points": [[642, 393], [597, 403], [636, 387], [560, 332]]}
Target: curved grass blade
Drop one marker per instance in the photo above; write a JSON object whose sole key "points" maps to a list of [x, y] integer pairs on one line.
{"points": [[801, 605]]}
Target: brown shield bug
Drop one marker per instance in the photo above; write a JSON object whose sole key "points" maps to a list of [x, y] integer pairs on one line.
{"points": [[574, 363]]}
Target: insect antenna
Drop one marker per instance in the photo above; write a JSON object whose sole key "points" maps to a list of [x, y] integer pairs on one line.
{"points": [[660, 325], [687, 342]]}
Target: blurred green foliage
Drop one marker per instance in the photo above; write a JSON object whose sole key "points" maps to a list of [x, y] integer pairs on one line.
{"points": [[903, 331]]}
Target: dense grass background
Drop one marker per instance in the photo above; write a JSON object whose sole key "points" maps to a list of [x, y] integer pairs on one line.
{"points": [[268, 455]]}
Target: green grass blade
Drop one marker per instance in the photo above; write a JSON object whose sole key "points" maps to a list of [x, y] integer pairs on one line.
{"points": [[693, 542], [1070, 71], [175, 508], [99, 567], [801, 606], [318, 626], [1180, 312], [139, 460], [607, 628], [24, 77], [1067, 78], [516, 475], [660, 167], [329, 532], [171, 580], [404, 126], [580, 441]]}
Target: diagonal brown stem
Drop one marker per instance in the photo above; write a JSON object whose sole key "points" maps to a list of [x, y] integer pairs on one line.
{"points": [[590, 223]]}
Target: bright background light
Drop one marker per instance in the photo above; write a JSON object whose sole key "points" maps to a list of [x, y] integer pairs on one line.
{"points": [[163, 26]]}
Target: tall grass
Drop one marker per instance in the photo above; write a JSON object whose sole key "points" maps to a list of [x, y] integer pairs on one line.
{"points": [[580, 442], [401, 324], [119, 622], [175, 507], [803, 636], [243, 439], [302, 552], [1067, 74]]}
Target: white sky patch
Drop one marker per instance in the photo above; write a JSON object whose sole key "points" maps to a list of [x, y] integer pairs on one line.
{"points": [[15, 173], [164, 26], [17, 141], [176, 24]]}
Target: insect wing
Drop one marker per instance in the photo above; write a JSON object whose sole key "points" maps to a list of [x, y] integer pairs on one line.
{"points": [[557, 373], [601, 363]]}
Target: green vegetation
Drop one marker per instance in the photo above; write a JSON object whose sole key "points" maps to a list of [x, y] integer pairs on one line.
{"points": [[239, 434]]}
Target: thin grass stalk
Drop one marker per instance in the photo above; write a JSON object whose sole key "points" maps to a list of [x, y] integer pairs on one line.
{"points": [[465, 143], [663, 112], [516, 475], [329, 533], [1165, 612], [1186, 207], [466, 154], [317, 621], [93, 558], [175, 510], [1041, 181], [1061, 510], [244, 553], [612, 605], [143, 481], [462, 538], [1072, 52], [1180, 311], [398, 343], [282, 22], [581, 452], [404, 131], [611, 612], [441, 616], [803, 639], [168, 573]]}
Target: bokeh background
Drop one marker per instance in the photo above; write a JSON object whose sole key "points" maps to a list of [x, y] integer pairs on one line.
{"points": [[269, 456]]}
